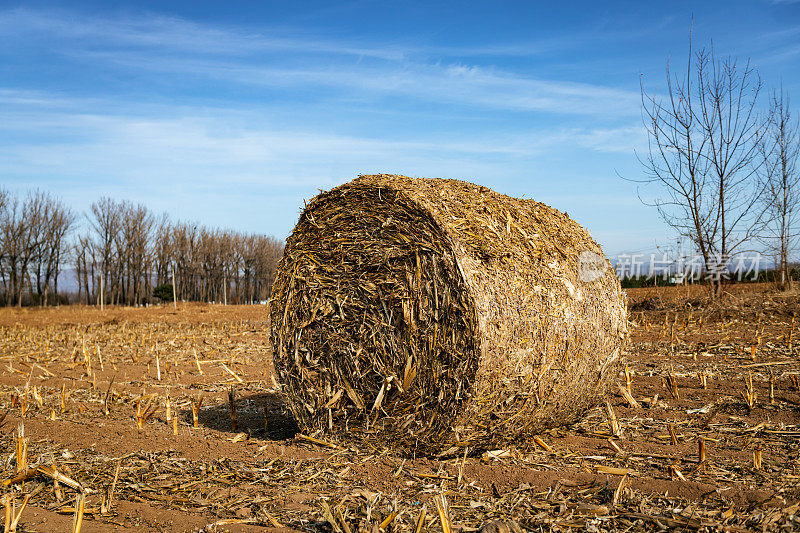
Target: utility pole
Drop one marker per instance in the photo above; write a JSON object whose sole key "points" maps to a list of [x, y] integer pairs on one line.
{"points": [[174, 290]]}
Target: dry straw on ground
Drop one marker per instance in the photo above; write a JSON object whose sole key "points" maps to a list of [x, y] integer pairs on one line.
{"points": [[439, 314]]}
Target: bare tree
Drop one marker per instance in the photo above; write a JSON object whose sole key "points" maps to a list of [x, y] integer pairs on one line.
{"points": [[703, 142], [80, 255], [4, 201], [124, 253], [53, 225], [63, 223], [105, 221], [779, 151], [134, 252], [163, 250], [21, 233]]}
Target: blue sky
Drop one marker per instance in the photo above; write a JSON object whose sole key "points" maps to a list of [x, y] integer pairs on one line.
{"points": [[231, 113]]}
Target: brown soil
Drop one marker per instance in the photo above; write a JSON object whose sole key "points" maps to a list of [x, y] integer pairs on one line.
{"points": [[263, 474]]}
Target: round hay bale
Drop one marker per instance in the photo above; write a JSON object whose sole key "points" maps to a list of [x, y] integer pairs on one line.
{"points": [[438, 314]]}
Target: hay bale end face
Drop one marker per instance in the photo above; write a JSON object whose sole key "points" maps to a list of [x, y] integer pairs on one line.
{"points": [[438, 314]]}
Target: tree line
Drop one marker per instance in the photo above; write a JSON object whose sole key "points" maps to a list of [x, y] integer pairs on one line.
{"points": [[722, 151], [122, 253]]}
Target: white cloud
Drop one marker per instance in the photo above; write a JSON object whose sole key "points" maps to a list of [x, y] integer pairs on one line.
{"points": [[469, 86], [227, 161], [170, 34], [199, 157], [174, 47], [209, 141]]}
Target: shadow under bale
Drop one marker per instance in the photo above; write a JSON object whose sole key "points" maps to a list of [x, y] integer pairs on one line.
{"points": [[262, 415], [436, 315]]}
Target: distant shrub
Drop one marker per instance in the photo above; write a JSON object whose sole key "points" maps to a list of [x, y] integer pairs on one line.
{"points": [[163, 292], [634, 282]]}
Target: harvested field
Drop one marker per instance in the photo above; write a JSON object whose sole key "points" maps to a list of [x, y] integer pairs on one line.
{"points": [[634, 465]]}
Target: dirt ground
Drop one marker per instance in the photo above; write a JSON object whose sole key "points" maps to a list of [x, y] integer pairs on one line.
{"points": [[722, 376]]}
